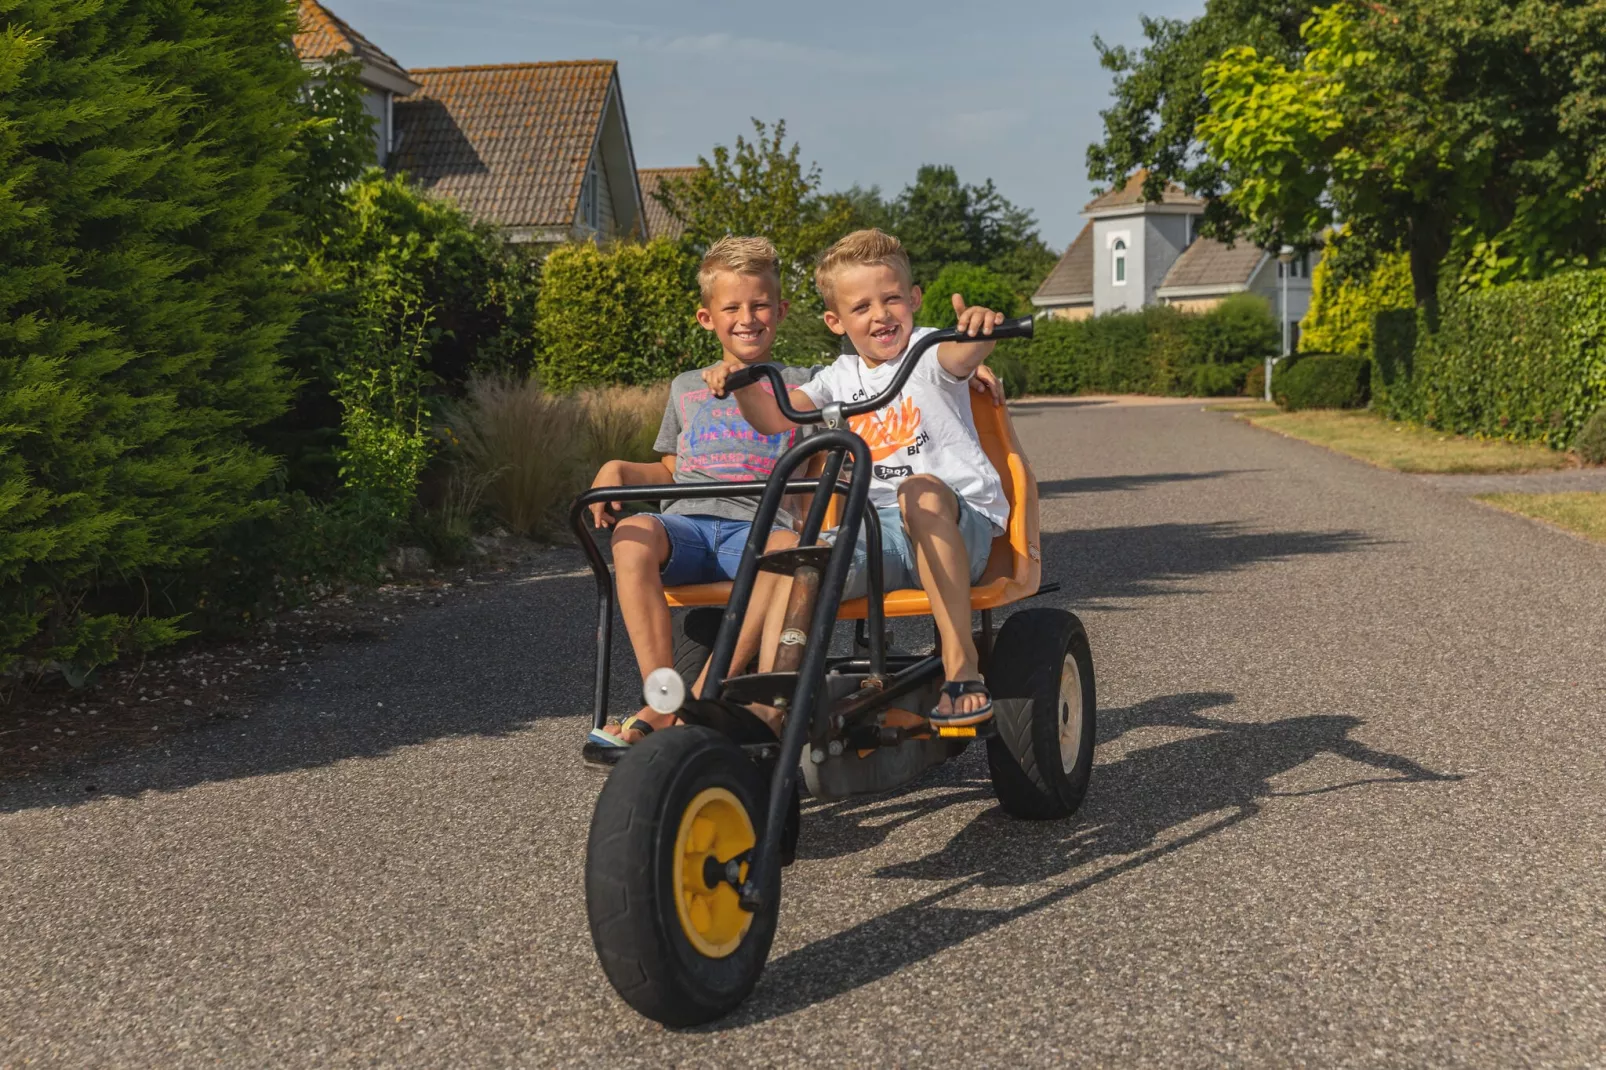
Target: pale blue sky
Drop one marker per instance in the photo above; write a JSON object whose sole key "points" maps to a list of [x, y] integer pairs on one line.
{"points": [[1004, 88]]}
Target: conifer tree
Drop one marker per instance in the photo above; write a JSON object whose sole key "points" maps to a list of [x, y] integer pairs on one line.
{"points": [[143, 155]]}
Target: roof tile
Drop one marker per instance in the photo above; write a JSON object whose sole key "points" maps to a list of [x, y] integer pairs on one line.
{"points": [[1208, 262], [1132, 193], [1072, 277], [323, 35], [508, 143], [660, 224]]}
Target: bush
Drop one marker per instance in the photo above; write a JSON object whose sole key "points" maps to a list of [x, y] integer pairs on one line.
{"points": [[1323, 381], [977, 285], [1525, 361], [1157, 350], [536, 450], [624, 314], [1591, 440], [1342, 310], [144, 153]]}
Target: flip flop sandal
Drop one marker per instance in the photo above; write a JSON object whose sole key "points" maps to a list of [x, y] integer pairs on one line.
{"points": [[954, 689], [605, 749]]}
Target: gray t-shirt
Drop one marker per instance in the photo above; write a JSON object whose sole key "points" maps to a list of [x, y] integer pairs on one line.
{"points": [[712, 443]]}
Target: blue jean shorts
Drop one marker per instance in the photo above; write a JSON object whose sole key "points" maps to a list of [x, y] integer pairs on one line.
{"points": [[702, 549], [898, 569]]}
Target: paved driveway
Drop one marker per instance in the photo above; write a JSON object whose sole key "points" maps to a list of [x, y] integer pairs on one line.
{"points": [[1349, 809]]}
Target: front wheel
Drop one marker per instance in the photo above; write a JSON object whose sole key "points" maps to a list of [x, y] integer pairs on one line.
{"points": [[669, 931], [1041, 679]]}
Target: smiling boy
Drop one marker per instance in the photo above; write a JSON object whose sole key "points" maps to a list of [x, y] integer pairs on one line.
{"points": [[702, 439], [940, 500]]}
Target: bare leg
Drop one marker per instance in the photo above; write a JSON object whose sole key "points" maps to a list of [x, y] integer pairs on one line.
{"points": [[931, 512], [758, 613], [640, 549]]}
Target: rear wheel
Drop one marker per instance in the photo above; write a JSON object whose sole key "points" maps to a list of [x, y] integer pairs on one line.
{"points": [[695, 631], [671, 935], [1041, 679]]}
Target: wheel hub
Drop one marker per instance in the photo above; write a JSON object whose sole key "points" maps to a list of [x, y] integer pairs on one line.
{"points": [[1070, 718], [714, 831]]}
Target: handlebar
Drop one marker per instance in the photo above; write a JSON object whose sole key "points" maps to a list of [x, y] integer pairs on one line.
{"points": [[744, 377]]}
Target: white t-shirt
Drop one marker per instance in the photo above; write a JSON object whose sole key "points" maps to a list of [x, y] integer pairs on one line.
{"points": [[927, 428]]}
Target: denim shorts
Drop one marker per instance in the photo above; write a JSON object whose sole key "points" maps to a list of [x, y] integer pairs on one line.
{"points": [[702, 549], [898, 569]]}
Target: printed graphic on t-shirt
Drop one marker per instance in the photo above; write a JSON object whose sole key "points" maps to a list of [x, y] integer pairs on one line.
{"points": [[718, 444], [894, 428]]}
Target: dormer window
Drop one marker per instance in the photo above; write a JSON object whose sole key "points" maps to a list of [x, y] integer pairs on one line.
{"points": [[1118, 255]]}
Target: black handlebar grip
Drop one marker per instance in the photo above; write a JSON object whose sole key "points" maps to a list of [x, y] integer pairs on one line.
{"points": [[742, 377], [1020, 327]]}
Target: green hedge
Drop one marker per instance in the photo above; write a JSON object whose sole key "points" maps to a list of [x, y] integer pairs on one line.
{"points": [[1157, 350], [144, 150], [624, 314], [1525, 361], [1323, 381]]}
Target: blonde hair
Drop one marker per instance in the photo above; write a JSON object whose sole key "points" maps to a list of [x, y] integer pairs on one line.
{"points": [[862, 247], [739, 256]]}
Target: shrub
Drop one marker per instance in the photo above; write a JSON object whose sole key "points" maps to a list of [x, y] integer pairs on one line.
{"points": [[1323, 381], [1525, 361], [977, 285], [143, 154], [624, 314], [1342, 310], [1591, 440], [535, 450], [1157, 350]]}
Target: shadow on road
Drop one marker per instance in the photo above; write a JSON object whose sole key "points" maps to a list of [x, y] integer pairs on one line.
{"points": [[1148, 804], [494, 664], [1064, 488], [1149, 559]]}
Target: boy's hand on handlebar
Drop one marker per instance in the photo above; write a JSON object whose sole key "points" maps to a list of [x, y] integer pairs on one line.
{"points": [[986, 381], [714, 377], [975, 320]]}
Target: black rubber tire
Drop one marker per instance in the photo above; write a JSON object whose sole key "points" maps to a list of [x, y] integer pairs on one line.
{"points": [[629, 876], [1029, 657], [695, 631]]}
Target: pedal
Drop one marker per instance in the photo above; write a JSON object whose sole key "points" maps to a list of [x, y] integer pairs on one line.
{"points": [[764, 688], [787, 562]]}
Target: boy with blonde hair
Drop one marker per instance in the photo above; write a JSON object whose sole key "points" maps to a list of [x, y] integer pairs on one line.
{"points": [[703, 438], [940, 501]]}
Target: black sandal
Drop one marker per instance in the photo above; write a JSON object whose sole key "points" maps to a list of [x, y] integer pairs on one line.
{"points": [[954, 689]]}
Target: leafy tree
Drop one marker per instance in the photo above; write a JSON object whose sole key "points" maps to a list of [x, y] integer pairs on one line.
{"points": [[144, 150], [333, 148], [977, 285], [942, 221], [1160, 97], [1342, 306], [1461, 129]]}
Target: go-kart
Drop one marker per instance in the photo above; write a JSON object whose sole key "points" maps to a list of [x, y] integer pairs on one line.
{"points": [[683, 864]]}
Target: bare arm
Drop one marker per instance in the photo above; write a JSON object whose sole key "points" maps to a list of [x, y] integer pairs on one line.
{"points": [[961, 359], [629, 474], [758, 405]]}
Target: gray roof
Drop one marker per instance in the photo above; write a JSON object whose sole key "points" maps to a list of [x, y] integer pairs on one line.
{"points": [[660, 224], [1072, 278], [1208, 262], [1131, 192]]}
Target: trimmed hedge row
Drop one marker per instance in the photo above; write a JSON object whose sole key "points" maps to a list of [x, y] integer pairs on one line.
{"points": [[1157, 350], [1323, 381], [1524, 361]]}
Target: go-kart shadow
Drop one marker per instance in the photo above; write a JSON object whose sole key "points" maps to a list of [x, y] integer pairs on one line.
{"points": [[1151, 803], [1048, 489]]}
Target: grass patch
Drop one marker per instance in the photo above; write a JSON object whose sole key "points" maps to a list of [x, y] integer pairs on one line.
{"points": [[1582, 512], [1246, 405], [1406, 447]]}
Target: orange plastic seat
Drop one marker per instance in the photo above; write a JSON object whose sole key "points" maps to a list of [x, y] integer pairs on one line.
{"points": [[1015, 567]]}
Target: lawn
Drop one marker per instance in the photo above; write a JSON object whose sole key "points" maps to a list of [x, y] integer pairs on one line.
{"points": [[1403, 447], [1581, 512]]}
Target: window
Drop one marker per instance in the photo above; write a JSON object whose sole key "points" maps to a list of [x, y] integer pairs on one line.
{"points": [[1118, 249], [588, 198]]}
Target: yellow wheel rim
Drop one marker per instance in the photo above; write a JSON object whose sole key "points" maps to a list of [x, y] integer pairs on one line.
{"points": [[715, 826]]}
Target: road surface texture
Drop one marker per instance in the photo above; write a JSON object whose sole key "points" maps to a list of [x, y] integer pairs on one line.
{"points": [[1349, 809]]}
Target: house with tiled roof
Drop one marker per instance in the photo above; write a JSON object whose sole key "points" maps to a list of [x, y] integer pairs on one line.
{"points": [[660, 224], [323, 38], [541, 150], [1134, 252]]}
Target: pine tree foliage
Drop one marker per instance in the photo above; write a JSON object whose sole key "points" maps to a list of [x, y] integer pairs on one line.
{"points": [[143, 157]]}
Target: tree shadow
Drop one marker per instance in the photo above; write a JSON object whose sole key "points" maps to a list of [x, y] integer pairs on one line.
{"points": [[1150, 559], [1148, 804], [1064, 488], [521, 651]]}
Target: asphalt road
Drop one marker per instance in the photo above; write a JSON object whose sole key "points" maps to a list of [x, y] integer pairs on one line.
{"points": [[1349, 810]]}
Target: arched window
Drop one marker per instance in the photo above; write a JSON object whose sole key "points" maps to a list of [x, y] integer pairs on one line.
{"points": [[1118, 251]]}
